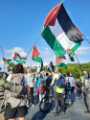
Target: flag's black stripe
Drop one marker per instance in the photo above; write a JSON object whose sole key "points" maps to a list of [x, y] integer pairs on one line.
{"points": [[67, 25]]}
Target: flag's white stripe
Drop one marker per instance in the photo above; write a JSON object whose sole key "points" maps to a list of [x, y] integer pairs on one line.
{"points": [[56, 29], [61, 36], [65, 42]]}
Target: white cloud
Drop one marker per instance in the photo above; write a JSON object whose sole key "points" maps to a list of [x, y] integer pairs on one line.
{"points": [[18, 50], [1, 62], [83, 51]]}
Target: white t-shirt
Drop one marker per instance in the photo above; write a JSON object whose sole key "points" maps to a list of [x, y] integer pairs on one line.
{"points": [[9, 78], [71, 80], [29, 80]]}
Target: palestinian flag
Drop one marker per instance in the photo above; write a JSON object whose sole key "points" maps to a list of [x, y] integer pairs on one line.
{"points": [[18, 59], [36, 55], [60, 62], [18, 56], [60, 32]]}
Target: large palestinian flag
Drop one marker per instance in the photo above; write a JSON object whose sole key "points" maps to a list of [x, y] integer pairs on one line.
{"points": [[60, 32]]}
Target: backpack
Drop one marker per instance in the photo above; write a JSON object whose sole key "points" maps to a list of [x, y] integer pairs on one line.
{"points": [[60, 82], [68, 86]]}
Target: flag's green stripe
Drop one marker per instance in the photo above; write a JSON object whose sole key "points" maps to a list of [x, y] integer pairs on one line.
{"points": [[10, 62], [21, 61], [73, 50], [37, 59], [52, 41], [61, 65]]}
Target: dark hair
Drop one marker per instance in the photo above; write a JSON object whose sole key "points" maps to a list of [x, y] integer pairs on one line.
{"points": [[18, 68], [68, 74], [47, 74]]}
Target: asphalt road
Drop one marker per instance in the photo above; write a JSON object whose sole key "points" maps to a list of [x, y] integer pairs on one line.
{"points": [[76, 112]]}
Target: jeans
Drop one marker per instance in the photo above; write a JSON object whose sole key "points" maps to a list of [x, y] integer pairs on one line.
{"points": [[72, 94]]}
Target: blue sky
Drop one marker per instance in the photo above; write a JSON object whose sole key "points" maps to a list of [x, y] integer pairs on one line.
{"points": [[21, 23]]}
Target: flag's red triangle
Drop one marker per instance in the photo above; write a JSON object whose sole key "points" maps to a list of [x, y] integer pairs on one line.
{"points": [[35, 52], [60, 59], [16, 55], [51, 18]]}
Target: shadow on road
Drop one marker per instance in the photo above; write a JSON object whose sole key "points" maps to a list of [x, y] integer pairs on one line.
{"points": [[40, 115]]}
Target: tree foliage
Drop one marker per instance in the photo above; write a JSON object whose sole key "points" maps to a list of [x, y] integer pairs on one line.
{"points": [[76, 69]]}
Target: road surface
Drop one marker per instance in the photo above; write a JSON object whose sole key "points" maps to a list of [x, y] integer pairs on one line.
{"points": [[76, 112]]}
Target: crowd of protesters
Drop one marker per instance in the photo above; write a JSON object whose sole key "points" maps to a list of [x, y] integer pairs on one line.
{"points": [[24, 82]]}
